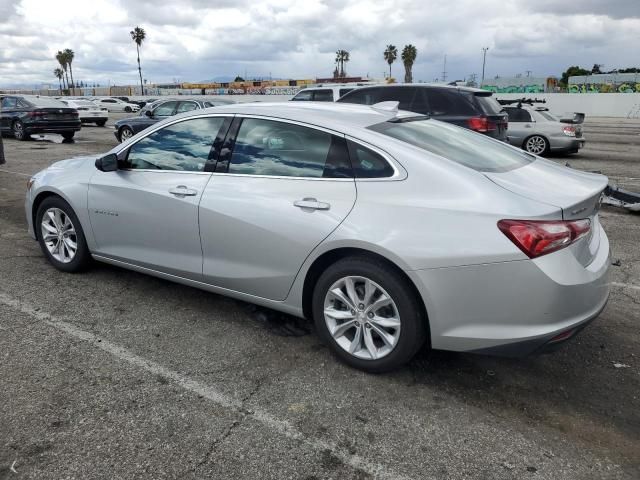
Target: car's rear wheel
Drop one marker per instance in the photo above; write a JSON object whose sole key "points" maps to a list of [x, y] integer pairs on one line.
{"points": [[61, 236], [368, 314], [19, 132], [101, 123], [536, 144], [68, 135], [125, 134]]}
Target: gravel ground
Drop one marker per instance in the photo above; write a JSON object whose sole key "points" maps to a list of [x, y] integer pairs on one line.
{"points": [[113, 374]]}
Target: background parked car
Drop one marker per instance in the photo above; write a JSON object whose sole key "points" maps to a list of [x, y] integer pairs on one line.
{"points": [[467, 107], [89, 112], [116, 105], [327, 93], [161, 109], [24, 115], [537, 131]]}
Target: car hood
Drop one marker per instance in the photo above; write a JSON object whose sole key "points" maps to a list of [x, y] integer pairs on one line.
{"points": [[134, 120], [576, 193], [74, 163]]}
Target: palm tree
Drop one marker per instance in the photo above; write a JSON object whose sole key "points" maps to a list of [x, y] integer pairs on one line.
{"points": [[68, 56], [59, 75], [62, 60], [138, 35], [342, 57], [409, 54], [390, 55]]}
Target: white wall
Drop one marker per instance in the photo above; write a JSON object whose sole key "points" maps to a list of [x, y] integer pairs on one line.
{"points": [[625, 105]]}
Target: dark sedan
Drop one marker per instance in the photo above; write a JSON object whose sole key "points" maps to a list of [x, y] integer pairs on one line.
{"points": [[24, 115], [128, 127]]}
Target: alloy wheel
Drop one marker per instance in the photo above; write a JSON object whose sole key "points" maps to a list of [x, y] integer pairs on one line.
{"points": [[18, 130], [362, 317], [59, 235], [125, 134], [536, 145]]}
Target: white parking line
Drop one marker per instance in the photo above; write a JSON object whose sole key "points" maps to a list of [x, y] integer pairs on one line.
{"points": [[15, 173], [282, 427], [625, 285]]}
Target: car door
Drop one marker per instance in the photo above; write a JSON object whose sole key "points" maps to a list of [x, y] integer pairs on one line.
{"points": [[146, 212], [520, 125], [7, 112], [279, 189]]}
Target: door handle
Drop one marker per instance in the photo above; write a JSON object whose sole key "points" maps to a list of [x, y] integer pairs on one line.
{"points": [[183, 191], [311, 203]]}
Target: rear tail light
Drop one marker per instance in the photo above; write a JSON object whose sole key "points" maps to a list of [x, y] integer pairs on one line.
{"points": [[539, 237], [481, 124], [569, 131], [37, 114]]}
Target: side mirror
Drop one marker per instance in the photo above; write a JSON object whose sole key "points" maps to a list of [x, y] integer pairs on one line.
{"points": [[149, 113], [108, 163]]}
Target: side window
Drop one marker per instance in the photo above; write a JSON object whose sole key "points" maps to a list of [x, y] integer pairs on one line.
{"points": [[323, 96], [450, 102], [187, 107], [518, 115], [109, 101], [184, 146], [367, 163], [404, 95], [165, 109], [266, 147], [365, 96], [23, 104], [344, 91], [303, 96], [9, 102]]}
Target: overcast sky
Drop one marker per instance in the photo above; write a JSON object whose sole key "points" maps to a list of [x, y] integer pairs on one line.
{"points": [[193, 40]]}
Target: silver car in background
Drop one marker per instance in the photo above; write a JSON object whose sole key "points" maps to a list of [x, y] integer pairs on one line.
{"points": [[391, 231], [539, 132]]}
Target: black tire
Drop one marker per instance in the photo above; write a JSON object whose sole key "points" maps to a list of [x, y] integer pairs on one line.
{"points": [[539, 140], [125, 129], [68, 135], [82, 258], [101, 123], [19, 131], [127, 109], [414, 325]]}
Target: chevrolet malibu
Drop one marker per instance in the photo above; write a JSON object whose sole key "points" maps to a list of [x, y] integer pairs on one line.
{"points": [[391, 231]]}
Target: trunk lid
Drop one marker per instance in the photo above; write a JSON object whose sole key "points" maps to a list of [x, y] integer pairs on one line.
{"points": [[56, 113], [577, 194]]}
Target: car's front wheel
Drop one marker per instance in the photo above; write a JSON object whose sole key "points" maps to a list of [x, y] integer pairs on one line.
{"points": [[536, 144], [61, 236], [127, 109], [368, 314], [125, 134]]}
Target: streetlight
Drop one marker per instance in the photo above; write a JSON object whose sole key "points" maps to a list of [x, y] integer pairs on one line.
{"points": [[484, 60]]}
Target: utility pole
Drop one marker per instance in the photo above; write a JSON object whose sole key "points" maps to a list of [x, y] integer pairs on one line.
{"points": [[484, 61], [444, 70], [2, 160], [528, 73]]}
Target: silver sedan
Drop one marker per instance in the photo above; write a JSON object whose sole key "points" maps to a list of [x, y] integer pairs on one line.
{"points": [[539, 132], [393, 232]]}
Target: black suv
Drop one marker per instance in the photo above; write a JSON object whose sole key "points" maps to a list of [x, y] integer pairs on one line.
{"points": [[467, 107]]}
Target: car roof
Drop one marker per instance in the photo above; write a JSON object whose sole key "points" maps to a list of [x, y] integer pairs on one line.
{"points": [[429, 85], [330, 115]]}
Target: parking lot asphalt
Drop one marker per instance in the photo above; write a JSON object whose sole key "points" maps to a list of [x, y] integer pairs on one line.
{"points": [[113, 374]]}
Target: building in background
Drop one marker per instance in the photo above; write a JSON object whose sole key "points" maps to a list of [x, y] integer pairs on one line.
{"points": [[521, 85], [605, 83]]}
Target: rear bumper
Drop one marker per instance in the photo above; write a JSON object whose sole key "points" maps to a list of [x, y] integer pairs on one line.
{"points": [[93, 119], [513, 308], [31, 128], [566, 144]]}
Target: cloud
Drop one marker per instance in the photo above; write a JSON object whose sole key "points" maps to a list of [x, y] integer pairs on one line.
{"points": [[202, 39]]}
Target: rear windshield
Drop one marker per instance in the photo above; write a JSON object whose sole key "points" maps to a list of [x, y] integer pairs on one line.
{"points": [[463, 146], [548, 116], [489, 104]]}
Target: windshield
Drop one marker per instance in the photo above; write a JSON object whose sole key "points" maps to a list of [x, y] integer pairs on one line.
{"points": [[463, 146]]}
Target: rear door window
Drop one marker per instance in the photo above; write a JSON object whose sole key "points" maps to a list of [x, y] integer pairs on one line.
{"points": [[344, 91], [303, 96], [323, 96], [450, 102], [403, 95], [364, 96], [186, 107], [271, 148], [165, 110], [518, 115]]}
